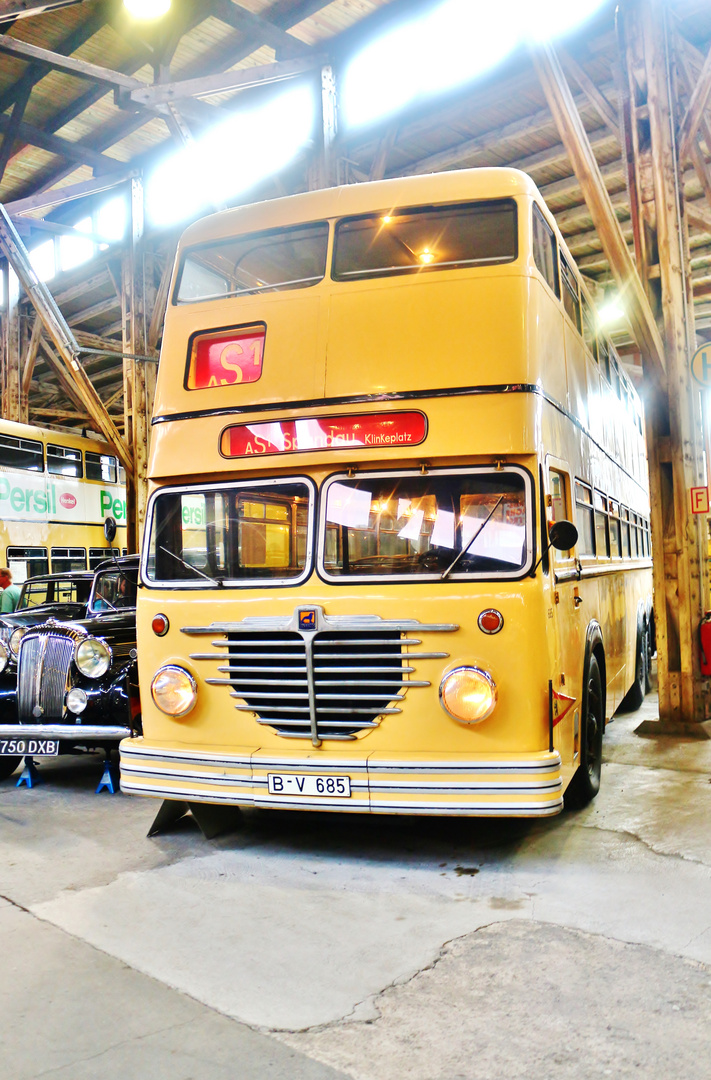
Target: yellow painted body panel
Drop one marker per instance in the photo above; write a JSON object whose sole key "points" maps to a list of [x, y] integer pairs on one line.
{"points": [[489, 356]]}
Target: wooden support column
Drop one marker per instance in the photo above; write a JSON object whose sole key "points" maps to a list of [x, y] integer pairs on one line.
{"points": [[673, 412], [11, 347], [138, 375], [324, 171]]}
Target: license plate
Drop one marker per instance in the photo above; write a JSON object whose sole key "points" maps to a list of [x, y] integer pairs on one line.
{"points": [[292, 784], [22, 747]]}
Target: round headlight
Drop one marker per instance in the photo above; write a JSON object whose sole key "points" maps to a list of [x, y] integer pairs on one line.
{"points": [[76, 700], [93, 657], [174, 690], [468, 694], [15, 638], [4, 655]]}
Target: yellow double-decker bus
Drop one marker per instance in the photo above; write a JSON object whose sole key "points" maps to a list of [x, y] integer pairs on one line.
{"points": [[56, 491], [373, 404]]}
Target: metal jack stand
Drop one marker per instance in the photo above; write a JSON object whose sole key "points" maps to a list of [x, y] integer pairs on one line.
{"points": [[29, 774], [109, 778]]}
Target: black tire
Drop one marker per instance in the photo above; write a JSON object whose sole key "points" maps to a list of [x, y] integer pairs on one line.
{"points": [[8, 766], [586, 781], [635, 695], [651, 649]]}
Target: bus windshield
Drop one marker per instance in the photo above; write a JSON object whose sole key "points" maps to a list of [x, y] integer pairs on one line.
{"points": [[233, 533], [413, 525], [426, 238]]}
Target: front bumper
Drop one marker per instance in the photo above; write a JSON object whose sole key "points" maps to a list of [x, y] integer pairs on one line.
{"points": [[517, 785]]}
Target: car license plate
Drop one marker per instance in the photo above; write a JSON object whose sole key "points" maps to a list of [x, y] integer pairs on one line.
{"points": [[293, 784], [41, 747]]}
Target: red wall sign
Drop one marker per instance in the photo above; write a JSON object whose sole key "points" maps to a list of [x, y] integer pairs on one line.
{"points": [[324, 433], [227, 358]]}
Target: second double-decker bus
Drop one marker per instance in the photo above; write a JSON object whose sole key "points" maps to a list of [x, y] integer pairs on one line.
{"points": [[56, 491], [373, 404]]}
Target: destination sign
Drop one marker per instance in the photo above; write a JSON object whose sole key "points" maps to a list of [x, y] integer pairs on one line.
{"points": [[393, 430]]}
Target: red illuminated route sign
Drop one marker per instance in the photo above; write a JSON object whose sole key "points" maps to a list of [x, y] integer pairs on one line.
{"points": [[396, 429], [226, 358]]}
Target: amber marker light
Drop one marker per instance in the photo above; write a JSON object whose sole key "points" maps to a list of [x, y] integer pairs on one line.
{"points": [[160, 625], [490, 621], [468, 694]]}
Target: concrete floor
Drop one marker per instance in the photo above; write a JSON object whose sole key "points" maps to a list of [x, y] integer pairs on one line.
{"points": [[324, 946]]}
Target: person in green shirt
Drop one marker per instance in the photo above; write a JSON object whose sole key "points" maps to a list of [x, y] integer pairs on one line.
{"points": [[10, 593]]}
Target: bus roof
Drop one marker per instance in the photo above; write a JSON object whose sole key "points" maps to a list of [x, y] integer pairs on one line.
{"points": [[378, 195]]}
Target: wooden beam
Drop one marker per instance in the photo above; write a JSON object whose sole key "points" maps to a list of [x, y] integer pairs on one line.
{"points": [[695, 109], [158, 314], [595, 96], [60, 334], [28, 369], [219, 82], [72, 151], [284, 44], [45, 199], [82, 68], [8, 139], [21, 9], [575, 139]]}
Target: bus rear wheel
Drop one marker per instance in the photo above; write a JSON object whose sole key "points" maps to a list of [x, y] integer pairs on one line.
{"points": [[635, 695], [586, 781]]}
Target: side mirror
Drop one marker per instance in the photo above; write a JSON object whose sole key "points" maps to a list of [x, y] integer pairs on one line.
{"points": [[109, 529], [563, 535]]}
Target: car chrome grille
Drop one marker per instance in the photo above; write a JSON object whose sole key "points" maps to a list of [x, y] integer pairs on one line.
{"points": [[331, 682], [42, 676]]}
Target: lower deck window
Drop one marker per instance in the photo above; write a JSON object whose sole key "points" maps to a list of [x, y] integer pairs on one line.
{"points": [[413, 525], [26, 562], [67, 559]]}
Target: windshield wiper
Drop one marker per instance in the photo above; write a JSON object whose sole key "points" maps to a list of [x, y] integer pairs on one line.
{"points": [[189, 566], [462, 553]]}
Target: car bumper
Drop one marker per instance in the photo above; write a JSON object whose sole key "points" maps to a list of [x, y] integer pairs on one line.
{"points": [[76, 733], [517, 785]]}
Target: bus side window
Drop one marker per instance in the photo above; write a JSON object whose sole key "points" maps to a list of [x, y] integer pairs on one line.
{"points": [[603, 352], [545, 254], [571, 301], [589, 327], [625, 524], [584, 519], [614, 529], [559, 487], [21, 453], [602, 541], [63, 461]]}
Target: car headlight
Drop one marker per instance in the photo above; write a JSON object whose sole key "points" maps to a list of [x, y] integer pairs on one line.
{"points": [[76, 700], [15, 638], [468, 694], [174, 690], [93, 657], [4, 655]]}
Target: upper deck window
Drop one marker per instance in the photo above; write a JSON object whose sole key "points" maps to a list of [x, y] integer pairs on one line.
{"points": [[21, 453], [63, 461], [545, 250], [100, 467], [571, 299], [426, 238], [271, 261]]}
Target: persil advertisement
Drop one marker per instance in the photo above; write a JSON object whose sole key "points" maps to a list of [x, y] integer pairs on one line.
{"points": [[26, 496]]}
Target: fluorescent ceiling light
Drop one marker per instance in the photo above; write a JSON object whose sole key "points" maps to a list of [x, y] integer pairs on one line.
{"points": [[456, 42], [147, 9], [231, 158]]}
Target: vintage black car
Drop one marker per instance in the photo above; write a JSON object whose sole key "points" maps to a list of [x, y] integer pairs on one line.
{"points": [[70, 675]]}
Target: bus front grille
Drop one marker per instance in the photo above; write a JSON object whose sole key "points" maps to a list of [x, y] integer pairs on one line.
{"points": [[42, 676], [325, 684]]}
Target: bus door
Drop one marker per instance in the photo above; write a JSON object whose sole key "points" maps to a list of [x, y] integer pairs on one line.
{"points": [[569, 619]]}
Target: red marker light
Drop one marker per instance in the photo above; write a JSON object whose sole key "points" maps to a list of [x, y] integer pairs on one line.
{"points": [[160, 625], [490, 621]]}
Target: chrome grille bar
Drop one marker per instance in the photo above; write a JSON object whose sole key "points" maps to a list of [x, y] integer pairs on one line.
{"points": [[323, 677]]}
